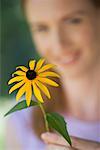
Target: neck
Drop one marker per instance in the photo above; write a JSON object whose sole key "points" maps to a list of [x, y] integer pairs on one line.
{"points": [[82, 94]]}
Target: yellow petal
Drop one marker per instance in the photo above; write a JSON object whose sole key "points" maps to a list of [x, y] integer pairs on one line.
{"points": [[39, 64], [48, 81], [15, 79], [37, 92], [21, 73], [28, 93], [16, 86], [46, 67], [32, 64], [20, 92], [43, 88], [49, 74], [23, 68]]}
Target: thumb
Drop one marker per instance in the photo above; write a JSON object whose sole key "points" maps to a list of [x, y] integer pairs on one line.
{"points": [[54, 139]]}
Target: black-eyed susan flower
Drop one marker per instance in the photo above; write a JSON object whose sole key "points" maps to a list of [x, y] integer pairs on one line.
{"points": [[32, 79]]}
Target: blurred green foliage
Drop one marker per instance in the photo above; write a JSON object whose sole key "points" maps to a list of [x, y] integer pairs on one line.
{"points": [[16, 44]]}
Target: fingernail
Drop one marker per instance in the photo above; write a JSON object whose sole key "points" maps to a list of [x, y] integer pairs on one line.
{"points": [[44, 135]]}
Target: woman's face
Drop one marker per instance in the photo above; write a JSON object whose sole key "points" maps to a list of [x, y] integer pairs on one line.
{"points": [[66, 32]]}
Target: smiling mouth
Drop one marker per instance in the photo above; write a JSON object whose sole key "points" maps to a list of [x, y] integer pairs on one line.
{"points": [[70, 59]]}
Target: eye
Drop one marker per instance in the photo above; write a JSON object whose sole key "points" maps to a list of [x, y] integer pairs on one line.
{"points": [[75, 21], [41, 29]]}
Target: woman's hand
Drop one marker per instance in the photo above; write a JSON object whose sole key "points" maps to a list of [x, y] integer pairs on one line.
{"points": [[57, 142], [55, 147]]}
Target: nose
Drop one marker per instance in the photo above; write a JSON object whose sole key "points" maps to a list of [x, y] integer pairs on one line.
{"points": [[60, 41]]}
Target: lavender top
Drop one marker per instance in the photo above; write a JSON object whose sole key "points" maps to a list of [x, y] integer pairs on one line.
{"points": [[21, 123]]}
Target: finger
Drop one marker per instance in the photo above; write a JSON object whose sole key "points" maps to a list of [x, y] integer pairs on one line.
{"points": [[77, 143], [84, 144], [54, 139], [57, 147]]}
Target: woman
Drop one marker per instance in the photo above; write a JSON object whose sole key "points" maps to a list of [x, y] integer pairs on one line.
{"points": [[67, 33]]}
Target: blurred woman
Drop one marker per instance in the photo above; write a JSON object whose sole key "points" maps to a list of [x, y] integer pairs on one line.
{"points": [[66, 33]]}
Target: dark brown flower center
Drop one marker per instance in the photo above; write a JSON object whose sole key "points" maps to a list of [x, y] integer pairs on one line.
{"points": [[31, 74]]}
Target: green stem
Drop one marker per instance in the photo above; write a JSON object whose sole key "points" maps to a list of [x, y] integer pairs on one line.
{"points": [[44, 114]]}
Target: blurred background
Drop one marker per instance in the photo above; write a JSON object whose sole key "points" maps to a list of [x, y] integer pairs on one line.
{"points": [[16, 48]]}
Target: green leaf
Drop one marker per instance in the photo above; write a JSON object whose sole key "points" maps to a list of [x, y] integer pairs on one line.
{"points": [[21, 105], [58, 123]]}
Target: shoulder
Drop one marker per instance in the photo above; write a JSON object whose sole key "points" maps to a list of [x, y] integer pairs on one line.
{"points": [[22, 117], [20, 125]]}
